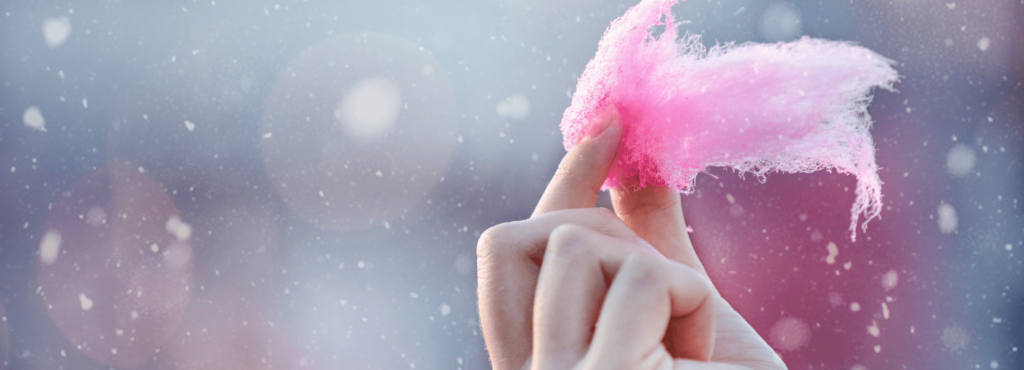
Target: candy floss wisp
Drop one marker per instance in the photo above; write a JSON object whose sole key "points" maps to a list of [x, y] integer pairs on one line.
{"points": [[799, 106]]}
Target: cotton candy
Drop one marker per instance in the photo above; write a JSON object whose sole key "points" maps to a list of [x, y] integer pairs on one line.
{"points": [[791, 107]]}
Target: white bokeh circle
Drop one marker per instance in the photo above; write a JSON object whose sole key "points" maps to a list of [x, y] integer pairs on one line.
{"points": [[781, 22], [370, 109]]}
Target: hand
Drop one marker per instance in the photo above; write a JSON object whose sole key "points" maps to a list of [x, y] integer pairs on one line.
{"points": [[510, 260], [579, 252], [543, 280]]}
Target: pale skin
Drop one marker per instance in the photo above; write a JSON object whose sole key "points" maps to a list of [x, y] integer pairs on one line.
{"points": [[579, 287]]}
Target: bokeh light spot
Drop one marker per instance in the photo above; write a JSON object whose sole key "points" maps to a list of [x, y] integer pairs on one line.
{"points": [[983, 43], [780, 22], [890, 279], [56, 31], [33, 118], [947, 218], [833, 251], [370, 109], [789, 334], [955, 338], [515, 107], [85, 302], [49, 247], [960, 160]]}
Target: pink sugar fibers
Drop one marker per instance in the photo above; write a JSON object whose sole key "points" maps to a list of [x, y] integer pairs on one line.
{"points": [[792, 107]]}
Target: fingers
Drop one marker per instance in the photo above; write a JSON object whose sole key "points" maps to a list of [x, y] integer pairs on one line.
{"points": [[655, 213], [570, 289], [645, 294], [508, 262], [582, 171]]}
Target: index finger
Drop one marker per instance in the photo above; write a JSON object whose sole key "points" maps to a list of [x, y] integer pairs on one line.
{"points": [[578, 180]]}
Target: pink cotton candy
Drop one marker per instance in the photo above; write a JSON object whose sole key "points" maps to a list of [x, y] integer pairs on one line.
{"points": [[794, 107]]}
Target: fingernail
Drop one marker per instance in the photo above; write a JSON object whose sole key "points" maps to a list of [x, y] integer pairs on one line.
{"points": [[606, 119]]}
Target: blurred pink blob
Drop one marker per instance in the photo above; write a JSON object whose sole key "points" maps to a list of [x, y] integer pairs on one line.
{"points": [[792, 107], [230, 322], [115, 265], [789, 334]]}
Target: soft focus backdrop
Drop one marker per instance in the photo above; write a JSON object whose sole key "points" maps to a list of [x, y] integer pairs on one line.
{"points": [[300, 184]]}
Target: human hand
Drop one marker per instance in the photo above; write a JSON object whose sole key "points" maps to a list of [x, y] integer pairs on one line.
{"points": [[510, 260], [589, 295], [543, 280]]}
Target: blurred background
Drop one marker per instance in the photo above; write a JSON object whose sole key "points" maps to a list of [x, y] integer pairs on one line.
{"points": [[300, 184]]}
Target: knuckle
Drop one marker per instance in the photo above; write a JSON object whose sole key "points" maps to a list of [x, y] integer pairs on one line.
{"points": [[605, 221], [567, 240], [641, 271], [491, 240]]}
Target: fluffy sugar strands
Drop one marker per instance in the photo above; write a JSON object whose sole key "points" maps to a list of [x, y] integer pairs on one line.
{"points": [[799, 106]]}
